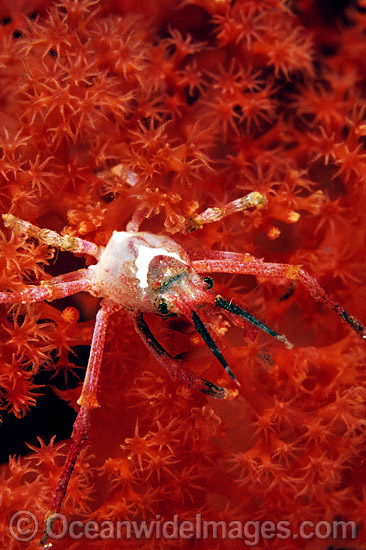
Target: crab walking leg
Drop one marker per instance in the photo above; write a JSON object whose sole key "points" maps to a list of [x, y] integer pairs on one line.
{"points": [[138, 217], [217, 213], [59, 288], [87, 401], [223, 255], [51, 238], [278, 271], [175, 367]]}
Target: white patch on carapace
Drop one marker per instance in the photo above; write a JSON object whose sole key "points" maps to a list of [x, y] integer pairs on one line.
{"points": [[120, 236], [144, 257]]}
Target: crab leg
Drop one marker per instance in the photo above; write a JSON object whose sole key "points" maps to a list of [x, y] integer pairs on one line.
{"points": [[87, 401], [58, 287], [51, 238], [218, 213], [175, 367], [275, 271]]}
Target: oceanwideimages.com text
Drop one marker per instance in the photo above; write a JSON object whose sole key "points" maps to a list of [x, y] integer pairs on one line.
{"points": [[25, 527]]}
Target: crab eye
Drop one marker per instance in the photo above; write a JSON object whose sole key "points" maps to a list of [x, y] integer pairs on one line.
{"points": [[208, 282], [162, 307]]}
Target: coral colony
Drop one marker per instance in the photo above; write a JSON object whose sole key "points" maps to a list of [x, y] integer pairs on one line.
{"points": [[202, 163]]}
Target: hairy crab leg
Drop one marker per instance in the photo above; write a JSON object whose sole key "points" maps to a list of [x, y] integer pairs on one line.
{"points": [[58, 287], [51, 238], [175, 367], [210, 215], [202, 254], [278, 271], [217, 213], [87, 401]]}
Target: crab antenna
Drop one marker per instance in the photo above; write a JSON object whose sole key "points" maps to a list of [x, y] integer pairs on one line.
{"points": [[236, 310], [207, 338]]}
